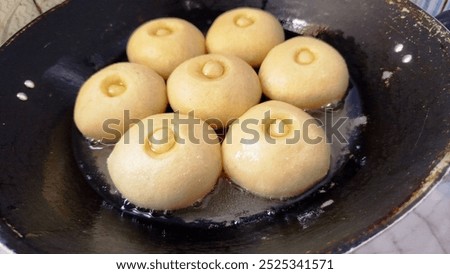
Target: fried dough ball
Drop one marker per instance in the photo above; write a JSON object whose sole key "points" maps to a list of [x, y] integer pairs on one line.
{"points": [[248, 33], [166, 162], [111, 98], [305, 72], [217, 88], [276, 150], [162, 44]]}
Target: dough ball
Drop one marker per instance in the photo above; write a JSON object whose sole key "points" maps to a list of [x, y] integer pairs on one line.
{"points": [[117, 96], [305, 72], [157, 165], [276, 150], [218, 88], [248, 33], [163, 44]]}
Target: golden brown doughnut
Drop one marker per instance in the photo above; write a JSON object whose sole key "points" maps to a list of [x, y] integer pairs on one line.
{"points": [[248, 33], [119, 92], [218, 88], [283, 159], [157, 165], [305, 72], [162, 44]]}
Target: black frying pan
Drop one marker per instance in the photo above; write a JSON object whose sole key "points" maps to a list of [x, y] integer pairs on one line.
{"points": [[46, 205]]}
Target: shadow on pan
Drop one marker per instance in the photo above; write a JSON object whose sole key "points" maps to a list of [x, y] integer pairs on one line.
{"points": [[398, 57]]}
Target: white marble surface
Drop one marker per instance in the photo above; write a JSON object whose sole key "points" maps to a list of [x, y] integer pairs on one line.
{"points": [[15, 14], [425, 229]]}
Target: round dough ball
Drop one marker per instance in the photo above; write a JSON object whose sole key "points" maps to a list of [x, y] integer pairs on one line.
{"points": [[276, 150], [305, 72], [217, 88], [166, 162], [248, 33], [163, 44], [115, 97]]}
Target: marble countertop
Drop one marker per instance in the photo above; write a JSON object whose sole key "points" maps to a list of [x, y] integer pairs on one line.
{"points": [[424, 229]]}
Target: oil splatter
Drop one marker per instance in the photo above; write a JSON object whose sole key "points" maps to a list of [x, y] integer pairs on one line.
{"points": [[22, 96], [327, 203], [29, 84]]}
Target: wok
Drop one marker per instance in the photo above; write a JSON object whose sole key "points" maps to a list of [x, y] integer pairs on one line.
{"points": [[398, 56]]}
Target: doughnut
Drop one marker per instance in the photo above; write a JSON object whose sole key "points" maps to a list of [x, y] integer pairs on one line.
{"points": [[248, 33], [275, 150], [217, 88], [163, 44], [119, 93], [166, 162], [305, 72]]}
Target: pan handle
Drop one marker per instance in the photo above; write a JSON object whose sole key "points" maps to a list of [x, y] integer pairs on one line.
{"points": [[444, 18]]}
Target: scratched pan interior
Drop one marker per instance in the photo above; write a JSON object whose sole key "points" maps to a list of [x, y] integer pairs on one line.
{"points": [[46, 206]]}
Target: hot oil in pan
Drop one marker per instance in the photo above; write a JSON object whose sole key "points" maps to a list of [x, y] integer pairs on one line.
{"points": [[228, 204]]}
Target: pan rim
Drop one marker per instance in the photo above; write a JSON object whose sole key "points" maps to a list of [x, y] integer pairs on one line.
{"points": [[427, 185]]}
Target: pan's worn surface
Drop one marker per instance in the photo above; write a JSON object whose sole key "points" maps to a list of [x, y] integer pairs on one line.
{"points": [[398, 57]]}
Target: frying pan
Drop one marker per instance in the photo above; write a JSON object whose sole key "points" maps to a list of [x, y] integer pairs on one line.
{"points": [[398, 57]]}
